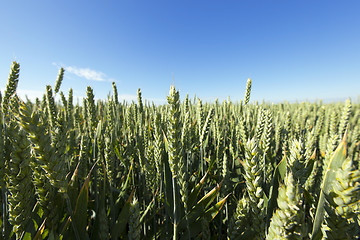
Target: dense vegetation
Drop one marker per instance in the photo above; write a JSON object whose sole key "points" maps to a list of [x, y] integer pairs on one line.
{"points": [[184, 170]]}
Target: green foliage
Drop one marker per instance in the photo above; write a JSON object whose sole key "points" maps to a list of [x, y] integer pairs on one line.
{"points": [[10, 86], [254, 177], [174, 127], [247, 91], [21, 189], [341, 204], [134, 220], [199, 170], [59, 80], [288, 220], [116, 98]]}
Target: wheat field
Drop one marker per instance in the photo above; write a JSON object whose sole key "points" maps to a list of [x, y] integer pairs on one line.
{"points": [[182, 170]]}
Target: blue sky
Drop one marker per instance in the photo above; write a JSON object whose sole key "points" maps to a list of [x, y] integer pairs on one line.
{"points": [[292, 50]]}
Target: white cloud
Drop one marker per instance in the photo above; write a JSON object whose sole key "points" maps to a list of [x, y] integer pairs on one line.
{"points": [[86, 73]]}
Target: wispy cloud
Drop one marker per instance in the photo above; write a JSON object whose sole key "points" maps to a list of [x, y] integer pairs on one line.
{"points": [[87, 73]]}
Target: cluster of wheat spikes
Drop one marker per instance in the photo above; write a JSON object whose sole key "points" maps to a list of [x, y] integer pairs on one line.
{"points": [[183, 170]]}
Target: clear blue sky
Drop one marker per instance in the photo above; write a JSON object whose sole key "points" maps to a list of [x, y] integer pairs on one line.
{"points": [[292, 50]]}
